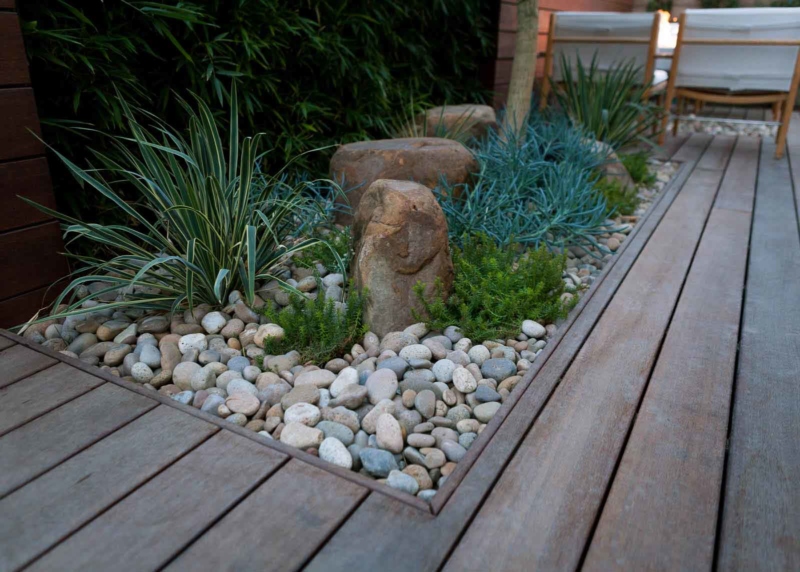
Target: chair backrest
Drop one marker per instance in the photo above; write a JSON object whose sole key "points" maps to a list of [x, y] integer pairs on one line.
{"points": [[581, 36], [746, 66]]}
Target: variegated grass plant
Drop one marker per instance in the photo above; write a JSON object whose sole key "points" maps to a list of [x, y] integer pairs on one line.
{"points": [[207, 221]]}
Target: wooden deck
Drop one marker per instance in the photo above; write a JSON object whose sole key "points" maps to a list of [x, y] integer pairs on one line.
{"points": [[660, 431]]}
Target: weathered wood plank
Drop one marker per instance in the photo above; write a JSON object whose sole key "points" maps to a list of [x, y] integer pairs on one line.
{"points": [[279, 526], [13, 63], [30, 179], [43, 512], [18, 362], [671, 146], [547, 499], [737, 190], [760, 527], [18, 110], [718, 152], [156, 521], [693, 147], [31, 258], [5, 343], [40, 393], [412, 540], [661, 513], [47, 441]]}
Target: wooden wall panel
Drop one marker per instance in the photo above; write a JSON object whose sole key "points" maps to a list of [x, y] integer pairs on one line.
{"points": [[30, 242], [507, 27], [31, 179], [13, 64]]}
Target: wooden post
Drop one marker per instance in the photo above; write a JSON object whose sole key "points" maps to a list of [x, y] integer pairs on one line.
{"points": [[673, 70], [788, 106]]}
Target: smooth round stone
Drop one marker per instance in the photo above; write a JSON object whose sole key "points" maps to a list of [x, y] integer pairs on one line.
{"points": [[485, 411], [212, 403], [426, 427], [442, 434], [302, 394], [468, 426], [467, 439], [413, 456], [453, 451], [479, 354], [117, 353], [213, 322], [232, 329], [443, 370], [419, 385], [301, 436], [419, 474], [443, 422], [427, 495], [304, 413], [239, 419], [434, 458], [336, 365], [498, 368], [396, 341], [458, 413], [203, 378], [425, 403], [226, 377], [238, 363], [377, 462], [419, 375], [464, 381], [397, 364], [141, 372], [151, 356], [351, 397], [444, 341], [370, 421], [324, 397], [184, 397], [342, 416], [321, 378], [420, 363], [243, 402], [421, 440], [336, 431], [453, 333], [188, 342], [335, 452], [464, 345], [416, 351], [409, 419], [403, 482], [267, 332], [217, 367], [485, 394], [251, 373], [208, 356], [388, 433], [382, 384], [183, 372], [458, 357], [236, 385], [533, 329]]}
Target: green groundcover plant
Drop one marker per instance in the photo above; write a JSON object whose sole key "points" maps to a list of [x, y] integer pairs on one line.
{"points": [[608, 104], [537, 190], [620, 200], [638, 168], [207, 222], [317, 329], [495, 289]]}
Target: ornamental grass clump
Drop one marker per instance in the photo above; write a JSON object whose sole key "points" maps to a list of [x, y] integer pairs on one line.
{"points": [[611, 105], [536, 190], [206, 221], [495, 289], [319, 329]]}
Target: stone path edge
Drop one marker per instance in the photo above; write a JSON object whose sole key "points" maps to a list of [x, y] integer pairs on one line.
{"points": [[463, 467], [370, 484]]}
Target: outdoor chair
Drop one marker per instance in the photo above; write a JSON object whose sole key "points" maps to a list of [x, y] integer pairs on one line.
{"points": [[610, 39], [737, 56]]}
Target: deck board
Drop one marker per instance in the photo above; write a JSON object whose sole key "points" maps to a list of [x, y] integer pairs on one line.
{"points": [[760, 527], [40, 393], [547, 498], [279, 526], [45, 511], [661, 513], [65, 431], [19, 362], [155, 522]]}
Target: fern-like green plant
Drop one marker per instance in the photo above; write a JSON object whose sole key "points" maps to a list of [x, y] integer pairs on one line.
{"points": [[608, 104], [620, 200], [207, 222], [638, 168], [496, 289], [317, 328]]}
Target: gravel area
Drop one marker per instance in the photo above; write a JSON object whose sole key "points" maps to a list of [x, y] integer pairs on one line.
{"points": [[723, 127], [404, 409]]}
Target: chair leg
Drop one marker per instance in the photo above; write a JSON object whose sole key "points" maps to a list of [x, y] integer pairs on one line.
{"points": [[679, 111], [783, 130], [776, 110], [668, 96]]}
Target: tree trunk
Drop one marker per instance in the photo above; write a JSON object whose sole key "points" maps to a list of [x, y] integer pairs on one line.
{"points": [[523, 68]]}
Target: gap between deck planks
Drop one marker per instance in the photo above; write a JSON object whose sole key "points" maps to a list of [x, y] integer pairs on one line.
{"points": [[662, 510], [546, 500], [760, 525], [410, 540]]}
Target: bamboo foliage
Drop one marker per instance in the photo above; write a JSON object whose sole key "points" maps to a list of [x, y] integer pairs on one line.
{"points": [[207, 222]]}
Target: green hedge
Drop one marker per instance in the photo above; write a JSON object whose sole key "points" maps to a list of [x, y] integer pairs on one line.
{"points": [[310, 72]]}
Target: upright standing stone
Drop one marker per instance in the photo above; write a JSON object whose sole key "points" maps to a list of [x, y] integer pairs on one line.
{"points": [[468, 120], [400, 238]]}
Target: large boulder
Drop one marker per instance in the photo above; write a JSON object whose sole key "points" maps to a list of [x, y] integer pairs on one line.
{"points": [[613, 169], [467, 120], [424, 160], [400, 235]]}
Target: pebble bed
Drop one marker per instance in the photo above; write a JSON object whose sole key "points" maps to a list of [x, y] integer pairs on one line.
{"points": [[723, 127], [404, 409]]}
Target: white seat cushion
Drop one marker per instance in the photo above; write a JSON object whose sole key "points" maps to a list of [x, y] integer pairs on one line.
{"points": [[660, 76]]}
